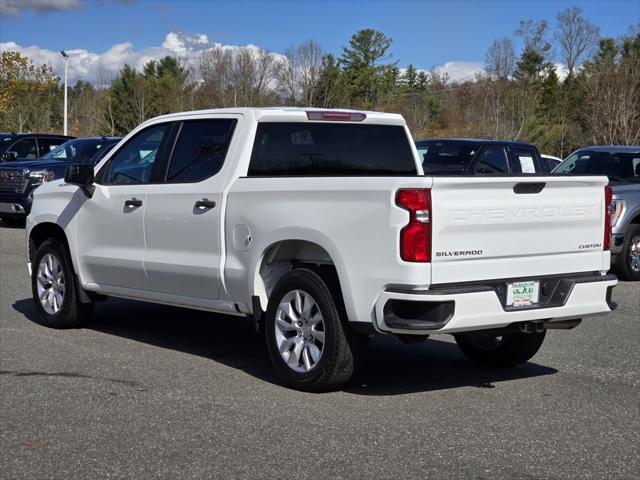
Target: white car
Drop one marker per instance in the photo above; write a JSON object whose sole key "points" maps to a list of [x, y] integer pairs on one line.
{"points": [[553, 161], [320, 225]]}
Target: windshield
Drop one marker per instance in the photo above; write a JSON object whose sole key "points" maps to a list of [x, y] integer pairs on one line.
{"points": [[101, 152], [445, 157], [619, 167], [79, 150]]}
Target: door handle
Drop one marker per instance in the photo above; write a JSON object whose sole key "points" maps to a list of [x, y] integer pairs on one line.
{"points": [[204, 204], [133, 203]]}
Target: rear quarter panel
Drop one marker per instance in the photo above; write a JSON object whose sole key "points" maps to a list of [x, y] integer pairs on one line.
{"points": [[354, 219]]}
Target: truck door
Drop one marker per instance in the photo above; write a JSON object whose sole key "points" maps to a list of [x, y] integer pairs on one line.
{"points": [[183, 216], [110, 237]]}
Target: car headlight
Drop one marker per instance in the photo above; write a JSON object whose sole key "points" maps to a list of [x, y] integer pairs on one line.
{"points": [[38, 177], [616, 209]]}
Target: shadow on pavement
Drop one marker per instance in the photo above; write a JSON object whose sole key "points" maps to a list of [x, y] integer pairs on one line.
{"points": [[17, 224], [391, 368]]}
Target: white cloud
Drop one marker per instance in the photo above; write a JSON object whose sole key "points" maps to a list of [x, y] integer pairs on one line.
{"points": [[460, 71], [11, 8], [100, 68], [562, 71]]}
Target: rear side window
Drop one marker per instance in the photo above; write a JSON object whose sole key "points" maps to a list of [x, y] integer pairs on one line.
{"points": [[200, 150], [525, 160], [492, 160], [331, 149]]}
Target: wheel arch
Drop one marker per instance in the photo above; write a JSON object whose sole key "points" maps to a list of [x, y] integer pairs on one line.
{"points": [[282, 256], [42, 232]]}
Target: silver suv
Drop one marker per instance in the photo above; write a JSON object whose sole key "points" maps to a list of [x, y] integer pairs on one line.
{"points": [[622, 166]]}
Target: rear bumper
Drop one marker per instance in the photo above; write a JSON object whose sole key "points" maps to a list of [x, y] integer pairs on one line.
{"points": [[454, 309]]}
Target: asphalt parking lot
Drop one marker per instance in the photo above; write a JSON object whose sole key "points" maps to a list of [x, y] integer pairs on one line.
{"points": [[147, 391]]}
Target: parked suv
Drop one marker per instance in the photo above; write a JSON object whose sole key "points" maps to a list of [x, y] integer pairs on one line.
{"points": [[19, 178], [459, 156], [622, 166], [28, 146], [321, 226]]}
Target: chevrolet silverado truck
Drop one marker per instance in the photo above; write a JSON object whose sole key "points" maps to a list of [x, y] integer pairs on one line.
{"points": [[320, 226]]}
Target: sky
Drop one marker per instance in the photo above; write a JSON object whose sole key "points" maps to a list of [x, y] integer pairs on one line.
{"points": [[102, 35]]}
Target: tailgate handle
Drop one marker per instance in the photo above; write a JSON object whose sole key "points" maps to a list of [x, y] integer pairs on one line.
{"points": [[528, 187]]}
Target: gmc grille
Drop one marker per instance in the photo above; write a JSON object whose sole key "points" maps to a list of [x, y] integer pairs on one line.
{"points": [[13, 180]]}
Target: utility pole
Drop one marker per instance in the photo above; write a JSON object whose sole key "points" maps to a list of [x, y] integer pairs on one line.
{"points": [[65, 55]]}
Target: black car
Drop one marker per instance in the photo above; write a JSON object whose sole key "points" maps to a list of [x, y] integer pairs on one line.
{"points": [[19, 178], [466, 156], [28, 146]]}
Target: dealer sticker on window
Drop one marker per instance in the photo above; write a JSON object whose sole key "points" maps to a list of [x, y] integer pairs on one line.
{"points": [[522, 294]]}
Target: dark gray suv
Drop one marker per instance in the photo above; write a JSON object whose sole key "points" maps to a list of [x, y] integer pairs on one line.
{"points": [[622, 166]]}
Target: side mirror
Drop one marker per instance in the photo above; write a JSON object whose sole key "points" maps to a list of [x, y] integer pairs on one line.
{"points": [[10, 156], [81, 175]]}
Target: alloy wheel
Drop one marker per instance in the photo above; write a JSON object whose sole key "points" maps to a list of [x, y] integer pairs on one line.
{"points": [[50, 284], [299, 331]]}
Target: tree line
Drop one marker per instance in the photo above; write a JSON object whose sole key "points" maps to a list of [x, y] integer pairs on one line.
{"points": [[518, 96]]}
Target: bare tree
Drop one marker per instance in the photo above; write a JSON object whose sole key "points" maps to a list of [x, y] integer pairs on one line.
{"points": [[253, 75], [215, 70], [500, 59], [576, 37], [534, 35], [299, 74], [310, 64]]}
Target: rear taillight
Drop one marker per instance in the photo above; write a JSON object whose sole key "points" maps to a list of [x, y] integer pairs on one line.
{"points": [[609, 213], [415, 237]]}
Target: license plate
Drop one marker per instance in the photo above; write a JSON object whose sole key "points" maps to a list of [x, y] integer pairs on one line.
{"points": [[522, 294]]}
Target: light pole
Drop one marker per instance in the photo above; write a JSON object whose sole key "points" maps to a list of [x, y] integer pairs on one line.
{"points": [[65, 55]]}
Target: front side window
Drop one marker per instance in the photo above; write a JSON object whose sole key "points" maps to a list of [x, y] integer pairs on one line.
{"points": [[134, 163], [331, 149], [492, 160], [200, 150], [26, 149]]}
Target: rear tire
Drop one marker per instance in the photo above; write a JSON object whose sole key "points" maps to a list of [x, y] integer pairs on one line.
{"points": [[628, 260], [505, 350], [54, 289], [310, 344]]}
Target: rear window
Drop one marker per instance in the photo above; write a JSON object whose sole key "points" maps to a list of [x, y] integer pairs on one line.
{"points": [[331, 149]]}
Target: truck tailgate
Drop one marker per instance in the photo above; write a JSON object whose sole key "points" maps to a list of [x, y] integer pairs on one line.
{"points": [[514, 227]]}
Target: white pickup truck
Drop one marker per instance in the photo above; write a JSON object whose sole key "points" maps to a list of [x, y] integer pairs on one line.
{"points": [[321, 226]]}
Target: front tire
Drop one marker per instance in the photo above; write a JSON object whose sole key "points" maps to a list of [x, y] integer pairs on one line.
{"points": [[307, 337], [506, 350], [628, 261], [54, 289]]}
